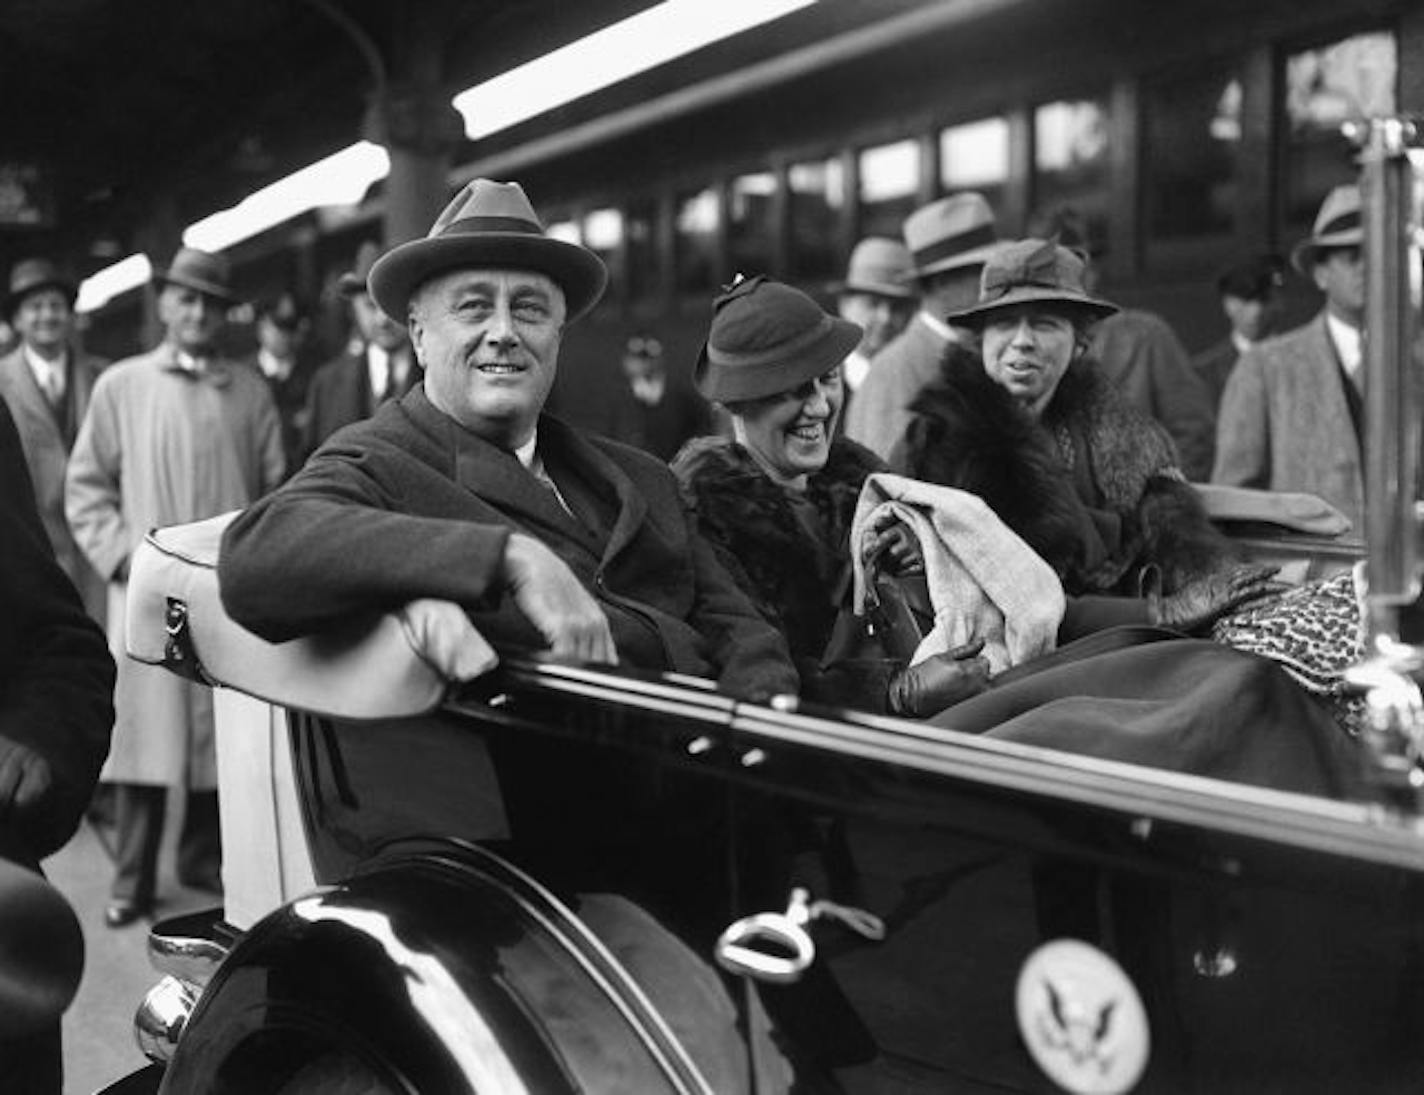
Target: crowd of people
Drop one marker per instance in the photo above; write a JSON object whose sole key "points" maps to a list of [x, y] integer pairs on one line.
{"points": [[977, 438]]}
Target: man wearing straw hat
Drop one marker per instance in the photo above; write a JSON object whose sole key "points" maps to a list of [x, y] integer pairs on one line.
{"points": [[1292, 414], [174, 435], [467, 507], [949, 241]]}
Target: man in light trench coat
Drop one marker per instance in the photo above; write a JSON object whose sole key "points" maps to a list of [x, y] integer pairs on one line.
{"points": [[174, 435]]}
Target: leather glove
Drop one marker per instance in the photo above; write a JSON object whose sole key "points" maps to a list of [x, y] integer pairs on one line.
{"points": [[921, 690], [892, 547], [1202, 601], [25, 777]]}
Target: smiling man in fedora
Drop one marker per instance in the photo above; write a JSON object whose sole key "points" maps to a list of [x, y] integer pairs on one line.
{"points": [[46, 381], [949, 241], [1292, 412], [465, 498], [174, 435], [465, 491]]}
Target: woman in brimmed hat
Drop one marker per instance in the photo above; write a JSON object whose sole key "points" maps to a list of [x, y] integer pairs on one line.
{"points": [[1093, 485], [778, 498]]}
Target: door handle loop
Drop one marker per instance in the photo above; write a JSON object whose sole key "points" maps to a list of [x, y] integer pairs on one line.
{"points": [[777, 947]]}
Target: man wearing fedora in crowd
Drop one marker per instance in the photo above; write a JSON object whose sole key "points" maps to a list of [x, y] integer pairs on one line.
{"points": [[1249, 292], [465, 500], [46, 381], [375, 366], [949, 241], [174, 435], [878, 295], [1292, 414]]}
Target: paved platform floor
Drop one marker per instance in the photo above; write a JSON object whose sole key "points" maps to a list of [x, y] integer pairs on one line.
{"points": [[99, 1043]]}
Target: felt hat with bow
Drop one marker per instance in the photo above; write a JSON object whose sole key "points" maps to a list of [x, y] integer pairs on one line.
{"points": [[1032, 272], [767, 338]]}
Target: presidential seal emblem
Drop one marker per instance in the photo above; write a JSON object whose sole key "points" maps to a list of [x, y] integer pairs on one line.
{"points": [[1082, 1019]]}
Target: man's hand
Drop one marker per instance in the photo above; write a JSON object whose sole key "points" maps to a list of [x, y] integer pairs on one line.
{"points": [[24, 777], [1201, 602], [937, 682], [547, 592], [442, 634]]}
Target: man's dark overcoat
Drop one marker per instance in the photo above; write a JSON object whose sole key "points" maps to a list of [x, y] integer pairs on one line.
{"points": [[407, 504], [340, 393]]}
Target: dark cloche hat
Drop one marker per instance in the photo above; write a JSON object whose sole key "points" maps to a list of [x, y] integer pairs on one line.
{"points": [[200, 271], [1255, 279], [767, 338], [488, 224], [30, 275], [1032, 272]]}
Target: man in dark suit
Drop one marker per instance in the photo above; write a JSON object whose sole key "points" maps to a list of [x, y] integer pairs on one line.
{"points": [[46, 381], [377, 365], [56, 710], [654, 411], [1248, 299], [465, 491], [281, 328]]}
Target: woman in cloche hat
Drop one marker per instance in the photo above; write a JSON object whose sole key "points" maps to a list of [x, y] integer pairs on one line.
{"points": [[778, 498], [1091, 484]]}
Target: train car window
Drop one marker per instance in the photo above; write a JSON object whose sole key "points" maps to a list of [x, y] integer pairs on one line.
{"points": [[889, 187], [816, 201], [975, 156], [603, 234], [644, 256], [567, 231], [1070, 158], [698, 217], [1191, 165], [751, 222], [1326, 86]]}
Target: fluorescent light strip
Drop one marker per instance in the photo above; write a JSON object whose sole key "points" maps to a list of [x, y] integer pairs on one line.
{"points": [[606, 56], [98, 289], [643, 41]]}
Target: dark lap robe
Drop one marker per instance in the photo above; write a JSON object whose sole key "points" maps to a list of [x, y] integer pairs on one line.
{"points": [[1187, 705]]}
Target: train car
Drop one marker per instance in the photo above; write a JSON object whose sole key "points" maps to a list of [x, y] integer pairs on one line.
{"points": [[1189, 138], [523, 884]]}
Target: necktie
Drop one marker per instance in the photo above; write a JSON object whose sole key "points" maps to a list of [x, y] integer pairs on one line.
{"points": [[54, 388]]}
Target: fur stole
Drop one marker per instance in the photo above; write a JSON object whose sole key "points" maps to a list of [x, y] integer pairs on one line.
{"points": [[794, 580], [1093, 487]]}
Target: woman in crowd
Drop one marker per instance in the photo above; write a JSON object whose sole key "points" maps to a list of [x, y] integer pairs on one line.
{"points": [[1090, 483]]}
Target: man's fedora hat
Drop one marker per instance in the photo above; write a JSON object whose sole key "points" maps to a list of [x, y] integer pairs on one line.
{"points": [[30, 275], [1254, 279], [880, 266], [1032, 272], [488, 224], [951, 233], [354, 280], [201, 271], [1340, 223], [767, 338]]}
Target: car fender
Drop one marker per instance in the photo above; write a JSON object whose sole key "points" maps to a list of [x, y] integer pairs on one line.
{"points": [[429, 972]]}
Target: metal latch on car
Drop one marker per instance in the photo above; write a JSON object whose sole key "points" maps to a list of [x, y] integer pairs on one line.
{"points": [[777, 947]]}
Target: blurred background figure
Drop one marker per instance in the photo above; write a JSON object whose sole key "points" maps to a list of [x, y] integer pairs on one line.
{"points": [[653, 411], [1249, 294], [949, 241], [56, 711], [282, 327], [1292, 413], [878, 295], [174, 435], [1139, 352], [46, 382], [376, 365]]}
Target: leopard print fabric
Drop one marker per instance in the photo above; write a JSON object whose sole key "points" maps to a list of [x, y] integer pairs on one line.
{"points": [[1314, 632]]}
